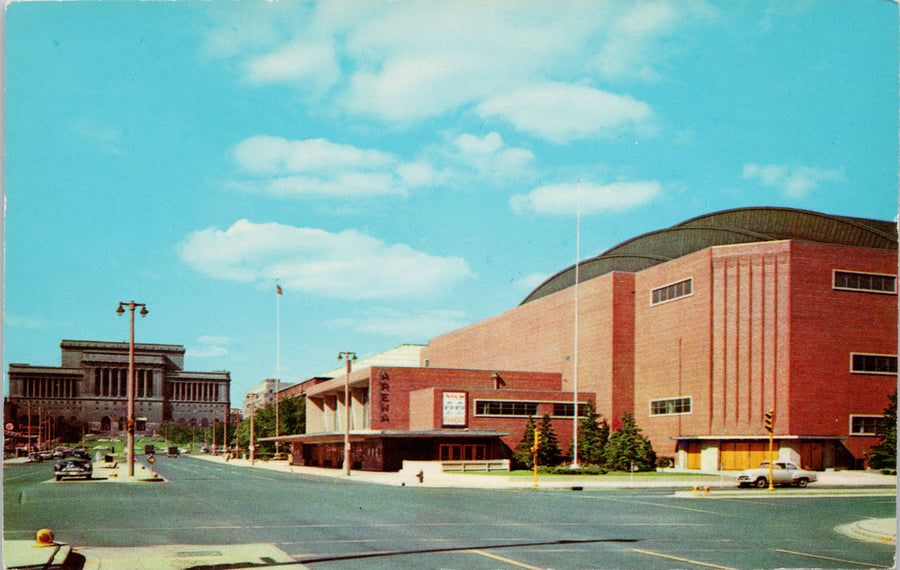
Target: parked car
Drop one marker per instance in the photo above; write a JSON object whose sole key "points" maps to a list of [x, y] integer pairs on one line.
{"points": [[783, 473], [172, 451], [72, 467]]}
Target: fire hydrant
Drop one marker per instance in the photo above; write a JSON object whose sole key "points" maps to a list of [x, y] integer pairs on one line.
{"points": [[420, 475]]}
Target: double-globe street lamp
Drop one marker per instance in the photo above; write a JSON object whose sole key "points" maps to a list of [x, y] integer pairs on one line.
{"points": [[349, 357], [130, 428]]}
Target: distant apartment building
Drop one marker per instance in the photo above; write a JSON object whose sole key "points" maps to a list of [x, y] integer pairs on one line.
{"points": [[91, 387]]}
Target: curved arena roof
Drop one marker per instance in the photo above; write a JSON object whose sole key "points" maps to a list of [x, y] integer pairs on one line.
{"points": [[741, 225]]}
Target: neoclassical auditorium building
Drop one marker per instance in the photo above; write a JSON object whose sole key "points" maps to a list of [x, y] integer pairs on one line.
{"points": [[90, 387]]}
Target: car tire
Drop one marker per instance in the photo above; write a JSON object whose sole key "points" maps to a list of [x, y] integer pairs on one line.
{"points": [[802, 482], [761, 483]]}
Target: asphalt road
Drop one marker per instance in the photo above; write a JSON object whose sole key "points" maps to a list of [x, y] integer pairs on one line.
{"points": [[330, 523]]}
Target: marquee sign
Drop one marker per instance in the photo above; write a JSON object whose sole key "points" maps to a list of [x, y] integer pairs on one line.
{"points": [[454, 409]]}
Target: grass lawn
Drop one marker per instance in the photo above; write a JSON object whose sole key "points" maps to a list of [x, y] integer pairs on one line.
{"points": [[528, 473]]}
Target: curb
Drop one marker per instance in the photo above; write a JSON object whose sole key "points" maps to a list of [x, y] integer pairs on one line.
{"points": [[872, 530]]}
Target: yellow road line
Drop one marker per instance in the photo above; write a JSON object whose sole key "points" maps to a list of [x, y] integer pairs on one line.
{"points": [[502, 559], [677, 559], [867, 564]]}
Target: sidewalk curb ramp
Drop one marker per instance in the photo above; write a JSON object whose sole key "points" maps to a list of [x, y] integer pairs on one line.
{"points": [[22, 555]]}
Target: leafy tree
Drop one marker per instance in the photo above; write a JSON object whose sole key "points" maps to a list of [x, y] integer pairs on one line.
{"points": [[627, 447], [593, 433], [522, 455], [884, 454], [549, 452]]}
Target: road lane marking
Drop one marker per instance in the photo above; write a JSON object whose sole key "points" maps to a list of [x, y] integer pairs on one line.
{"points": [[506, 560], [677, 559], [866, 564], [663, 506]]}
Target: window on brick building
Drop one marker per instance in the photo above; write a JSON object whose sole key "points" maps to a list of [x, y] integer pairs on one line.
{"points": [[672, 406], [671, 292], [873, 364], [566, 410], [872, 282], [865, 425], [505, 408]]}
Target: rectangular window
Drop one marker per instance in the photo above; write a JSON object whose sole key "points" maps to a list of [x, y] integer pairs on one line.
{"points": [[670, 407], [504, 408], [566, 410], [872, 282], [873, 364], [865, 425], [671, 292]]}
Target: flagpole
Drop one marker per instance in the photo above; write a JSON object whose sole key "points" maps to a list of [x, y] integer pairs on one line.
{"points": [[575, 375], [277, 360]]}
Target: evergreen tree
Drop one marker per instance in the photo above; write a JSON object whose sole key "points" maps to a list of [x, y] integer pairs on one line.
{"points": [[884, 454], [627, 447], [549, 451], [593, 433], [522, 455]]}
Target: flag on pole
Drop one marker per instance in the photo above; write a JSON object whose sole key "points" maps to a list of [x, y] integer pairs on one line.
{"points": [[278, 289]]}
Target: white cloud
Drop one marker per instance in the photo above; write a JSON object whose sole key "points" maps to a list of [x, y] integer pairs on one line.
{"points": [[489, 155], [207, 352], [345, 265], [631, 39], [531, 281], [297, 62], [103, 137], [323, 169], [566, 199], [792, 181], [404, 325], [561, 112], [19, 322], [268, 155], [206, 339], [405, 62]]}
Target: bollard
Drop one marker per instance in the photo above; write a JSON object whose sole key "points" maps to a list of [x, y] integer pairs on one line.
{"points": [[43, 538], [696, 488], [421, 476], [706, 489]]}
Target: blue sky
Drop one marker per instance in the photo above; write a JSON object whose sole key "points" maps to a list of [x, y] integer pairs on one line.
{"points": [[402, 168]]}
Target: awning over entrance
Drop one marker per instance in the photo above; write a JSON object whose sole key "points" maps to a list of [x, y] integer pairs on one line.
{"points": [[331, 437]]}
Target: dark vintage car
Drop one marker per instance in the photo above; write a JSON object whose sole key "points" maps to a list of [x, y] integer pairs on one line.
{"points": [[72, 467]]}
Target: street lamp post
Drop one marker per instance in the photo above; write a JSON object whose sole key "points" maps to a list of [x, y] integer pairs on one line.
{"points": [[130, 427], [252, 445], [349, 357]]}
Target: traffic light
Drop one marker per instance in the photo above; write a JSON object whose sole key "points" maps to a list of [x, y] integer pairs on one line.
{"points": [[770, 420]]}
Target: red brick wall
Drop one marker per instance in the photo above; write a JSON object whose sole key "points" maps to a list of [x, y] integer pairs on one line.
{"points": [[827, 326], [403, 381], [540, 335]]}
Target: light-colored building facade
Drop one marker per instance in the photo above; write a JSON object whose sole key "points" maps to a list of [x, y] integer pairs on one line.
{"points": [[91, 387]]}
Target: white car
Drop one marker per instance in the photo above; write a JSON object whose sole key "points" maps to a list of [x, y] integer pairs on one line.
{"points": [[783, 473]]}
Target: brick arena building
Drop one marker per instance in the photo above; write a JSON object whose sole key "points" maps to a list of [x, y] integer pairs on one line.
{"points": [[702, 328]]}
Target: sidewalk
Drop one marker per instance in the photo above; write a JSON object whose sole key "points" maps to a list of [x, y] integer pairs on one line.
{"points": [[826, 479]]}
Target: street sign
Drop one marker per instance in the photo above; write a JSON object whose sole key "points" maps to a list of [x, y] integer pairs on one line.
{"points": [[151, 460], [10, 426]]}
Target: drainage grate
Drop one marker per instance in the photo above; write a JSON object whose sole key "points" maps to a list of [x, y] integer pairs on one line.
{"points": [[198, 553]]}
